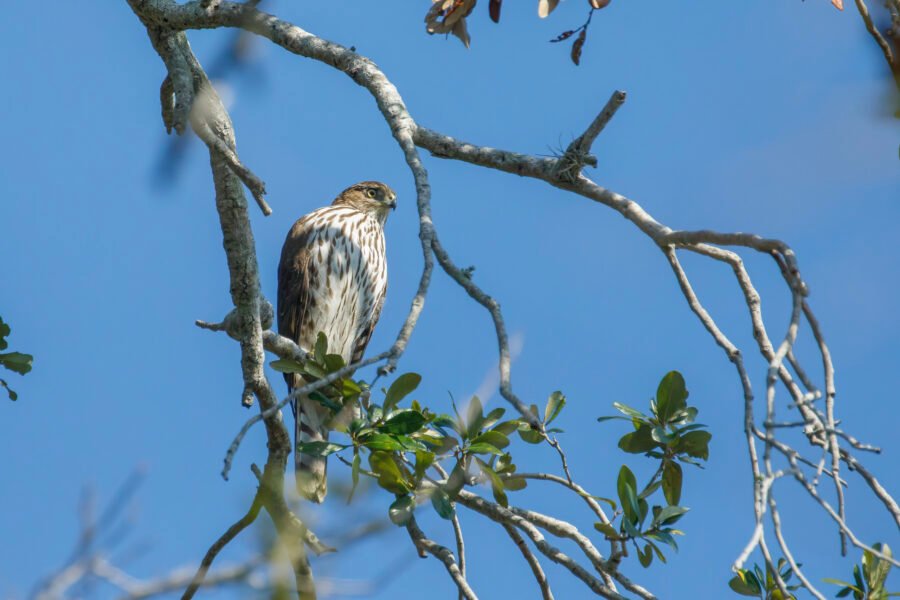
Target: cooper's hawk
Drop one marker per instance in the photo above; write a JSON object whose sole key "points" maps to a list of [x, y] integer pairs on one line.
{"points": [[332, 279]]}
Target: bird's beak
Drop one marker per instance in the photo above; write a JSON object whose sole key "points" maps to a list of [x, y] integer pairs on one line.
{"points": [[392, 203]]}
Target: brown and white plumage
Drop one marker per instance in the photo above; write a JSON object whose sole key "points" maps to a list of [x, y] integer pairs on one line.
{"points": [[332, 278]]}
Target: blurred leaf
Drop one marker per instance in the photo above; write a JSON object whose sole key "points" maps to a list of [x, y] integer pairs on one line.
{"points": [[496, 483], [484, 448], [401, 388], [514, 484], [876, 569], [389, 475], [630, 412], [745, 584], [494, 9], [649, 489], [606, 529], [492, 417], [325, 401], [401, 510], [404, 422], [319, 448], [350, 388], [455, 481], [638, 441], [670, 396], [381, 441], [16, 361], [695, 443], [645, 557], [507, 427], [321, 348], [555, 404], [286, 365], [671, 482], [424, 459], [12, 394], [669, 515], [626, 487], [474, 417], [494, 438], [577, 46], [354, 475], [334, 362], [441, 503]]}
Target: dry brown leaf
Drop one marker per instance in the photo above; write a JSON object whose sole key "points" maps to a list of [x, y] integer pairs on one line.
{"points": [[545, 7], [449, 16], [576, 47], [598, 3], [494, 10], [838, 4]]}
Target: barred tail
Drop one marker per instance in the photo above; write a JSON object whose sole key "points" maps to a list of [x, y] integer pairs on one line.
{"points": [[309, 471]]}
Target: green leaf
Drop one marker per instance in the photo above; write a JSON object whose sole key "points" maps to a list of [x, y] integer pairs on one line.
{"points": [[876, 569], [444, 421], [320, 350], [484, 448], [492, 417], [671, 482], [325, 401], [319, 448], [333, 362], [441, 503], [695, 443], [401, 388], [389, 475], [555, 404], [669, 515], [627, 410], [401, 510], [286, 365], [660, 435], [496, 483], [12, 394], [404, 422], [745, 584], [4, 331], [382, 442], [504, 464], [494, 438], [17, 361], [350, 388], [514, 484], [424, 459], [312, 369], [506, 427], [671, 396], [607, 530], [528, 434], [638, 441], [626, 487], [456, 480], [354, 475], [645, 557], [474, 417]]}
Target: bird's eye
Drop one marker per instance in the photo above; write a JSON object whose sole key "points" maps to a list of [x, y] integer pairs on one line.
{"points": [[370, 193]]}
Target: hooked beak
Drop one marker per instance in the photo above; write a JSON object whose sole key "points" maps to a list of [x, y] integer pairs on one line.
{"points": [[392, 203]]}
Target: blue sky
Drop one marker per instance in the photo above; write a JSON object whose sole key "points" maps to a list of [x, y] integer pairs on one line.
{"points": [[765, 117]]}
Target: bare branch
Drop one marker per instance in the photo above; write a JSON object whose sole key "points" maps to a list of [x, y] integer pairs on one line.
{"points": [[423, 544]]}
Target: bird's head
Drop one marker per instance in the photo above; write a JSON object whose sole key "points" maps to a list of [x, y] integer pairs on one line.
{"points": [[372, 197]]}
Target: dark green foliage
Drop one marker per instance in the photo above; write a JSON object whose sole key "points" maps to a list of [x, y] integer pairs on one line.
{"points": [[14, 361], [670, 435]]}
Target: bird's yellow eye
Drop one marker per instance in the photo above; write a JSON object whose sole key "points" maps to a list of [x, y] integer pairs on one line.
{"points": [[370, 193]]}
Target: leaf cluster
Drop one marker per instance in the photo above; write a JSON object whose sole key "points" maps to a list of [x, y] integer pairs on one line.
{"points": [[869, 577], [14, 361], [753, 582], [669, 434]]}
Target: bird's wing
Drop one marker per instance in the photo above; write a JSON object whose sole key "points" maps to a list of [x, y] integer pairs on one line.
{"points": [[294, 283]]}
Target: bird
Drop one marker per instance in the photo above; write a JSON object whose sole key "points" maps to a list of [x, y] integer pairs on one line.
{"points": [[332, 278]]}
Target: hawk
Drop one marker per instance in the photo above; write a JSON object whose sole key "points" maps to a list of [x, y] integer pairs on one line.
{"points": [[332, 278]]}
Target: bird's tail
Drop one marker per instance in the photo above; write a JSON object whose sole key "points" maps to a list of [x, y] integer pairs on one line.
{"points": [[309, 471]]}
